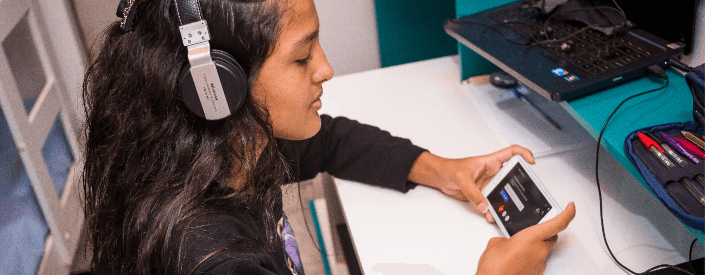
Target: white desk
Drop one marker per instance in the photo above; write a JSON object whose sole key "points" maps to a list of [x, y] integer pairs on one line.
{"points": [[426, 232]]}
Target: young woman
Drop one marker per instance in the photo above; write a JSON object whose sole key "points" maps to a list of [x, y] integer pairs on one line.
{"points": [[169, 192]]}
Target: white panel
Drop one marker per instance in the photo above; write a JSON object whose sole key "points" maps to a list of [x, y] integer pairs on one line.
{"points": [[69, 59], [47, 197], [54, 37], [51, 263], [349, 35], [71, 211], [70, 134], [43, 115], [12, 11], [26, 59], [11, 102], [42, 45]]}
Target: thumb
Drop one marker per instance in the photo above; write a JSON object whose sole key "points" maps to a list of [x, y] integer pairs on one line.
{"points": [[555, 225], [506, 153]]}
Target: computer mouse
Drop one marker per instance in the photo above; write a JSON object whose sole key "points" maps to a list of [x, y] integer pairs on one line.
{"points": [[502, 79]]}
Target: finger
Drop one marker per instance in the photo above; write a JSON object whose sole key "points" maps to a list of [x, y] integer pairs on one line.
{"points": [[524, 153], [489, 217], [506, 153], [474, 195], [553, 226]]}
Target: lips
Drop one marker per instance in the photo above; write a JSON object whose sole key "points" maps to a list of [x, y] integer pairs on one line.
{"points": [[316, 104], [318, 98]]}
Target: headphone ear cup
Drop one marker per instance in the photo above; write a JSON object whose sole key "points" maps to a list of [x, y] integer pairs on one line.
{"points": [[232, 79]]}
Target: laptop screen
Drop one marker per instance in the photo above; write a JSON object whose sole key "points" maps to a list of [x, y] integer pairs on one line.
{"points": [[671, 20]]}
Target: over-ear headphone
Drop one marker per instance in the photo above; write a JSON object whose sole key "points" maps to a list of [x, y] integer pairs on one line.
{"points": [[213, 85]]}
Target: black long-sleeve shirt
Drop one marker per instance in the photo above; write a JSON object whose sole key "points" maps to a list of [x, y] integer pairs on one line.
{"points": [[344, 148]]}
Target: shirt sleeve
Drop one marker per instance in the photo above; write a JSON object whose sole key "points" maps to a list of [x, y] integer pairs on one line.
{"points": [[350, 150]]}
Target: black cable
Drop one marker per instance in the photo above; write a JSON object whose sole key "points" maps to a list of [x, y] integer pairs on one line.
{"points": [[298, 187], [690, 256], [463, 21], [620, 9], [543, 7], [599, 191], [597, 178], [301, 204], [679, 65], [526, 43], [537, 42], [548, 40], [545, 23]]}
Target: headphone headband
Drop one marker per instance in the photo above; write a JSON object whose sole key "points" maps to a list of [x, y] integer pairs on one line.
{"points": [[188, 11], [195, 36]]}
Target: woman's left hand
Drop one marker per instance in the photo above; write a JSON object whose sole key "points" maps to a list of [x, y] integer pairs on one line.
{"points": [[464, 178]]}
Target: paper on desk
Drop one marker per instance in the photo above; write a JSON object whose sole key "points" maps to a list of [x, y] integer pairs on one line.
{"points": [[519, 123]]}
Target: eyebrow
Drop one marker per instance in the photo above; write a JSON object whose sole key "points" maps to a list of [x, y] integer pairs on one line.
{"points": [[310, 37]]}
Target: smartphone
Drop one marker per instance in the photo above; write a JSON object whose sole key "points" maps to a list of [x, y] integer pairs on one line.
{"points": [[517, 199]]}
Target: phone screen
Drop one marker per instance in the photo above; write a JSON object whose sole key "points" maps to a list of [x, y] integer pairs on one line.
{"points": [[517, 201]]}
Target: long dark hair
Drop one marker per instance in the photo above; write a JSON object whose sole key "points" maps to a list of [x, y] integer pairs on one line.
{"points": [[150, 164]]}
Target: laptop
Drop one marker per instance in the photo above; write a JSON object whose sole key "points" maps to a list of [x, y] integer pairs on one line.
{"points": [[580, 46]]}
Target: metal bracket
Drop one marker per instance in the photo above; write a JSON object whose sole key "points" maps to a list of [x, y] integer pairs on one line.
{"points": [[200, 54], [195, 33]]}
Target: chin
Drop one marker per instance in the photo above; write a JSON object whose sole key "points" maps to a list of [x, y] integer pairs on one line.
{"points": [[313, 132], [310, 129]]}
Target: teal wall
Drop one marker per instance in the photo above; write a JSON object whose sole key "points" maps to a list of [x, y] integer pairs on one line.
{"points": [[412, 30], [471, 63]]}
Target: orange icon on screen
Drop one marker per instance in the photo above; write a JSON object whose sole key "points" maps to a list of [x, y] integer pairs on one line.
{"points": [[501, 208]]}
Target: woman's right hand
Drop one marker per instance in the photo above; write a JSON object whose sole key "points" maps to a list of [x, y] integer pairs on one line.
{"points": [[526, 251]]}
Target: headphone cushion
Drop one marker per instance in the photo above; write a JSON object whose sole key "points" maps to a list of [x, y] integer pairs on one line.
{"points": [[232, 79]]}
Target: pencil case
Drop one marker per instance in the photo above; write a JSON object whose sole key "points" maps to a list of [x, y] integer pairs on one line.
{"points": [[667, 183]]}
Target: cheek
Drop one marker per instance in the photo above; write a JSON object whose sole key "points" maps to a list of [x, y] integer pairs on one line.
{"points": [[289, 109]]}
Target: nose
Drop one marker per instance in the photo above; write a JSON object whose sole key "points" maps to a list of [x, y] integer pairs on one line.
{"points": [[324, 71]]}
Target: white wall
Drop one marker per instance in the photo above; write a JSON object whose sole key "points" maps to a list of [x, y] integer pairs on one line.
{"points": [[94, 16], [349, 34]]}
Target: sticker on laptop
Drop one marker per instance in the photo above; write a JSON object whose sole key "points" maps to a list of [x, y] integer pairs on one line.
{"points": [[571, 78], [559, 72], [565, 74]]}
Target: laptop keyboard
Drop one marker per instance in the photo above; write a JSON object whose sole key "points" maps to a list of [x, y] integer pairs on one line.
{"points": [[591, 50]]}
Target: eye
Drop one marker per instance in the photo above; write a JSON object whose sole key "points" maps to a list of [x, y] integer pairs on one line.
{"points": [[304, 61]]}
